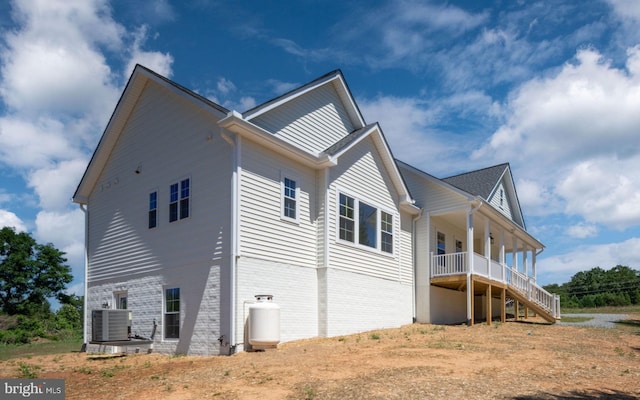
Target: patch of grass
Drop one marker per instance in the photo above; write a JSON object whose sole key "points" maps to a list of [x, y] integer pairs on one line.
{"points": [[28, 371], [40, 348], [374, 336], [603, 310]]}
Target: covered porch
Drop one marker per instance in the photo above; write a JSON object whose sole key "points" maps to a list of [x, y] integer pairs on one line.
{"points": [[478, 250]]}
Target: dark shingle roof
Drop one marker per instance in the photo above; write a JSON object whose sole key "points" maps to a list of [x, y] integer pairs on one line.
{"points": [[480, 182], [345, 141]]}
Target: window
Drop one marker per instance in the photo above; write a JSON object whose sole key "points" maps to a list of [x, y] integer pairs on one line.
{"points": [[501, 198], [441, 243], [374, 226], [172, 313], [346, 218], [179, 194], [367, 225], [458, 246], [386, 232], [153, 210], [289, 199]]}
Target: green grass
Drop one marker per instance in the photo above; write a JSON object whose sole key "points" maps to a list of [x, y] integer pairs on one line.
{"points": [[37, 349], [602, 310]]}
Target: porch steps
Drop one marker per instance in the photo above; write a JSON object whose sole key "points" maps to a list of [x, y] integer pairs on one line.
{"points": [[520, 297]]}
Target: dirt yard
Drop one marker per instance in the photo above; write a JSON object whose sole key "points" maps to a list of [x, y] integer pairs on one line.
{"points": [[514, 360]]}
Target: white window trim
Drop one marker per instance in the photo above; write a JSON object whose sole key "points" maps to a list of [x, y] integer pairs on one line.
{"points": [[356, 213], [164, 313], [296, 179]]}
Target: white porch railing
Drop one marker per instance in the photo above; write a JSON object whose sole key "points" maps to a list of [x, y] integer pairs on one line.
{"points": [[456, 264]]}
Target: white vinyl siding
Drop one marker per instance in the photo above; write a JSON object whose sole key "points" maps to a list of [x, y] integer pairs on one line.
{"points": [[360, 174], [120, 242], [501, 202], [265, 234], [313, 121]]}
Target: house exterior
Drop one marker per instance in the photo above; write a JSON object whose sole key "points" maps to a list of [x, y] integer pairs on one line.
{"points": [[192, 210]]}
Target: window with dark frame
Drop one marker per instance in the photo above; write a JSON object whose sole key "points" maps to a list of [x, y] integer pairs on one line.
{"points": [[153, 210], [172, 313], [367, 225], [179, 196], [441, 243]]}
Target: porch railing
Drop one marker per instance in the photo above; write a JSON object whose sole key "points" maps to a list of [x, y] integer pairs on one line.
{"points": [[456, 264]]}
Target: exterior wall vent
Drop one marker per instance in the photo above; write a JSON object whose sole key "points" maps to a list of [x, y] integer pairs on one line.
{"points": [[109, 325]]}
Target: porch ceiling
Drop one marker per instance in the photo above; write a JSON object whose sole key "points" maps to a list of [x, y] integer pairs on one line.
{"points": [[458, 219]]}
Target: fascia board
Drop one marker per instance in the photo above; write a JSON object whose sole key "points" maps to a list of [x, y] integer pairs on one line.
{"points": [[236, 124]]}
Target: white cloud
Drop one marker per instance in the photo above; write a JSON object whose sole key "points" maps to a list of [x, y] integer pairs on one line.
{"points": [[574, 133], [7, 218], [560, 268], [536, 198], [58, 92], [154, 60], [582, 230], [56, 184], [405, 123]]}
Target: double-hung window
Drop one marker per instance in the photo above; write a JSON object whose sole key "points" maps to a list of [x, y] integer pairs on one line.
{"points": [[290, 199], [153, 210], [172, 313], [179, 196], [363, 224]]}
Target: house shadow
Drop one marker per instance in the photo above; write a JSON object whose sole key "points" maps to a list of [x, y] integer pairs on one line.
{"points": [[579, 395]]}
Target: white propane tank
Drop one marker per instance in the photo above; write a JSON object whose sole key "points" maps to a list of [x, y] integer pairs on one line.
{"points": [[264, 323]]}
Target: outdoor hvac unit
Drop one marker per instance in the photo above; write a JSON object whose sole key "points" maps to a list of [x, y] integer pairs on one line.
{"points": [[109, 325]]}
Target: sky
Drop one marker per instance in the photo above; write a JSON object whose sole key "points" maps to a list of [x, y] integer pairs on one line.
{"points": [[552, 87]]}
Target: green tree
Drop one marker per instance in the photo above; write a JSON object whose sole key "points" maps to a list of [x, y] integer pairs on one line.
{"points": [[30, 273]]}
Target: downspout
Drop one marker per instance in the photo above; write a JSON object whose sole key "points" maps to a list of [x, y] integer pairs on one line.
{"points": [[234, 233], [85, 340], [415, 265]]}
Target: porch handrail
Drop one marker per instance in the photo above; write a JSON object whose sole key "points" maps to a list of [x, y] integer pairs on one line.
{"points": [[457, 263]]}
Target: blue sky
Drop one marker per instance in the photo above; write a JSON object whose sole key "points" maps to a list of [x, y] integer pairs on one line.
{"points": [[552, 87]]}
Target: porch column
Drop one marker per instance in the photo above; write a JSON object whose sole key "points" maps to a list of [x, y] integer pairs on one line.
{"points": [[489, 311], [533, 265], [514, 254], [487, 239], [525, 267], [503, 260], [469, 267]]}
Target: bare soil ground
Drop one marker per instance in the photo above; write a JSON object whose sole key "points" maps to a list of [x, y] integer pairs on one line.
{"points": [[514, 360]]}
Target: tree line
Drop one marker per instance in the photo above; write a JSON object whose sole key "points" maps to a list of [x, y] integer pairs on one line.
{"points": [[618, 286], [32, 274]]}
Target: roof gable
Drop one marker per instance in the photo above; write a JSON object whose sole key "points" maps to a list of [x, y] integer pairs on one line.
{"points": [[495, 185], [312, 117], [139, 79]]}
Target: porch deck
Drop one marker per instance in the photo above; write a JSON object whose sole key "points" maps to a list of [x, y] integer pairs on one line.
{"points": [[494, 280]]}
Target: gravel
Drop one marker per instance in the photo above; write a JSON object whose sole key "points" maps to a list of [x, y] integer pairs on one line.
{"points": [[598, 320]]}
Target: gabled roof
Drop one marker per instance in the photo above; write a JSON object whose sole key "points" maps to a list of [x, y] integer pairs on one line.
{"points": [[485, 182], [482, 182], [334, 77], [140, 77]]}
